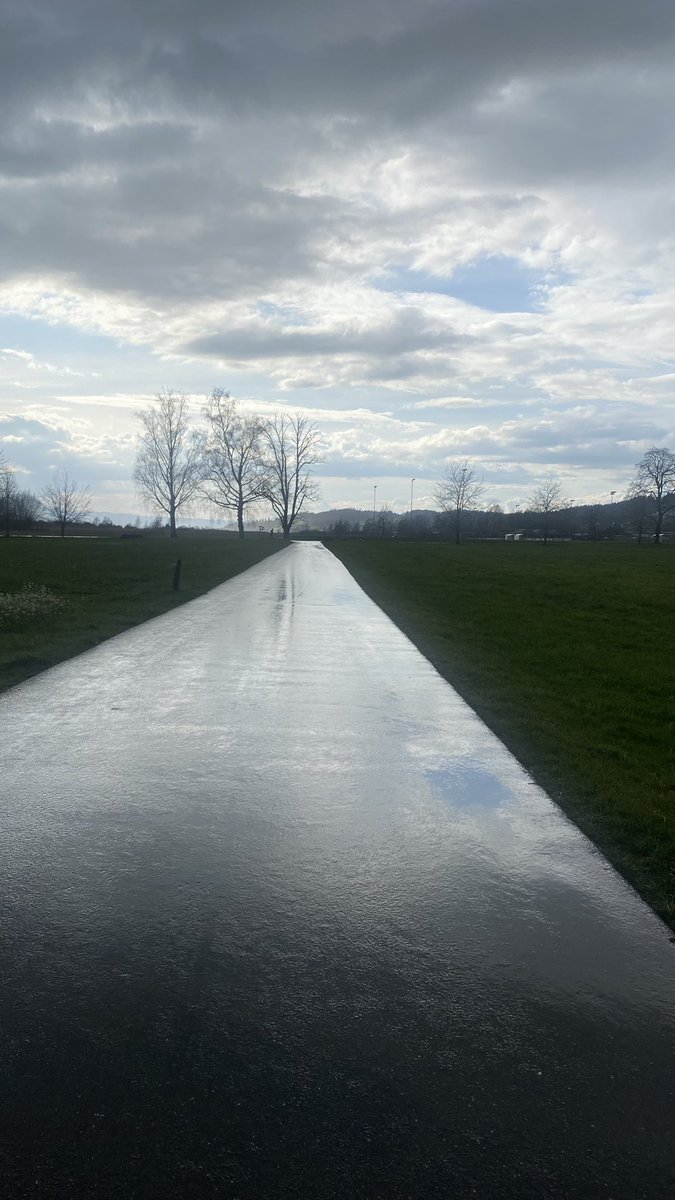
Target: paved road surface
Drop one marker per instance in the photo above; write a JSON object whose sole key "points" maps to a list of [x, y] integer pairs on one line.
{"points": [[280, 918]]}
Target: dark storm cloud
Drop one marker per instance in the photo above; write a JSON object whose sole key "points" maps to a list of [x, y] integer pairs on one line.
{"points": [[379, 62], [162, 231], [41, 147], [402, 56], [167, 73]]}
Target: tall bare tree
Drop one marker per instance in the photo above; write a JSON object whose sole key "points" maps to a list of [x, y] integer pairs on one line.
{"points": [[655, 482], [65, 501], [169, 462], [233, 472], [7, 494], [460, 490], [290, 446], [547, 498]]}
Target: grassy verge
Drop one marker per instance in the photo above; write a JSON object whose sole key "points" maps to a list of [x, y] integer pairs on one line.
{"points": [[99, 587], [566, 652]]}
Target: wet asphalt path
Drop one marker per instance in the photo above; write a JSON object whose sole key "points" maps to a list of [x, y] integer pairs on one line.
{"points": [[281, 918]]}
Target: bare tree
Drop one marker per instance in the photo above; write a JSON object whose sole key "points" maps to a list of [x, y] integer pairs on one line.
{"points": [[27, 508], [65, 501], [655, 482], [385, 522], [233, 472], [290, 446], [460, 490], [7, 493], [168, 463], [546, 499]]}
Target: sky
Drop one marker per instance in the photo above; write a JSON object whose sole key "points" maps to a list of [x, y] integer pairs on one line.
{"points": [[441, 230]]}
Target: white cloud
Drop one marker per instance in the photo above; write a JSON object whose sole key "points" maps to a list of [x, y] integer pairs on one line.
{"points": [[231, 193], [25, 359]]}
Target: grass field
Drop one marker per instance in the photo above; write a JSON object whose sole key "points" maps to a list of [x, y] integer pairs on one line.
{"points": [[566, 652], [98, 587]]}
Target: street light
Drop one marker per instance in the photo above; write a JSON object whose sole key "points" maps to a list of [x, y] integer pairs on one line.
{"points": [[412, 481], [375, 502]]}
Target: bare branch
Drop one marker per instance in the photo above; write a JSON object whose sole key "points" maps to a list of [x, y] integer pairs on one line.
{"points": [[548, 498], [654, 482], [460, 490], [7, 494], [65, 501], [28, 508], [290, 446], [169, 461], [233, 471]]}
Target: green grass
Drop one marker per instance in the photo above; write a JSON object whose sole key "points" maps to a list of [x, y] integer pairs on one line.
{"points": [[108, 585], [566, 652]]}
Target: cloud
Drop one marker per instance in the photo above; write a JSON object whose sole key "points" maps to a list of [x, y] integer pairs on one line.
{"points": [[451, 402], [24, 359], [294, 197], [46, 440]]}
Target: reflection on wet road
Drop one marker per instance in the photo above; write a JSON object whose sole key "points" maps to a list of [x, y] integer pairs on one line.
{"points": [[282, 919]]}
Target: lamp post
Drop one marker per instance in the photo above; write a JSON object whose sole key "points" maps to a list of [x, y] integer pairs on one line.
{"points": [[374, 501], [412, 481]]}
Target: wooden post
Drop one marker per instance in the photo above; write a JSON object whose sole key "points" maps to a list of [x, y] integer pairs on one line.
{"points": [[176, 576]]}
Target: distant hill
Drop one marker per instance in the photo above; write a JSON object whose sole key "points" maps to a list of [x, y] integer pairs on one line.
{"points": [[357, 516], [323, 520]]}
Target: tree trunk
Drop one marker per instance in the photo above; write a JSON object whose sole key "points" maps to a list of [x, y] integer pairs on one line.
{"points": [[240, 519], [172, 521]]}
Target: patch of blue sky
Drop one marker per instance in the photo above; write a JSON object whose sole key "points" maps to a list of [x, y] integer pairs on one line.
{"points": [[467, 785], [282, 312], [495, 283], [44, 338]]}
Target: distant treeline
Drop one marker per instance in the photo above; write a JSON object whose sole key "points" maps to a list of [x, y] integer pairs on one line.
{"points": [[624, 520]]}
